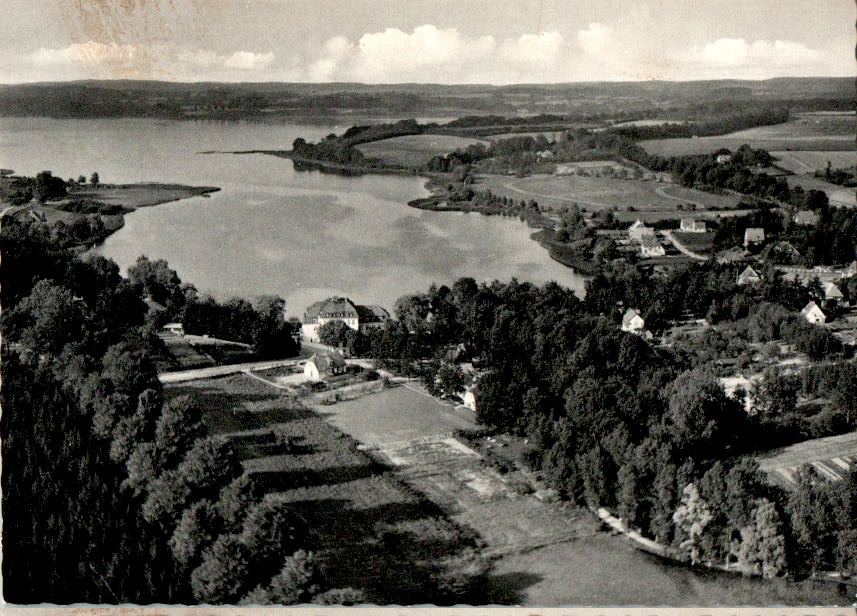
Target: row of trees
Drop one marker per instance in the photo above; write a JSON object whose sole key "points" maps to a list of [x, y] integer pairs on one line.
{"points": [[111, 495], [611, 421], [261, 324]]}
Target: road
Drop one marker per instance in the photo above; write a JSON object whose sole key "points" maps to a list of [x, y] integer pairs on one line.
{"points": [[217, 371], [682, 249]]}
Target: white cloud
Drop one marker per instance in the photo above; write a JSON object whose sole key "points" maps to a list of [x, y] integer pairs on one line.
{"points": [[738, 58], [95, 59], [596, 39]]}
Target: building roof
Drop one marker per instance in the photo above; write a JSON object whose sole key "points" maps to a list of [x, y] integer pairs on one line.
{"points": [[629, 316], [331, 308], [831, 291], [754, 234], [692, 223], [806, 217], [650, 241], [748, 274], [326, 361], [811, 308], [731, 255], [372, 314], [639, 224]]}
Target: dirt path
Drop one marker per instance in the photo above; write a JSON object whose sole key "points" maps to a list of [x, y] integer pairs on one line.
{"points": [[681, 247], [216, 371]]}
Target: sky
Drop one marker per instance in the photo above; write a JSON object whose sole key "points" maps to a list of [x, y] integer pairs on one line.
{"points": [[436, 41]]}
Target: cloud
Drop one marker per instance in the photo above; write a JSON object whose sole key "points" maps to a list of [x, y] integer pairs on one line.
{"points": [[95, 59], [736, 57], [596, 39]]}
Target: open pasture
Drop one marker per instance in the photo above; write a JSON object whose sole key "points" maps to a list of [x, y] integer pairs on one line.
{"points": [[838, 195], [402, 413], [369, 530], [805, 132], [649, 200], [414, 150], [810, 162]]}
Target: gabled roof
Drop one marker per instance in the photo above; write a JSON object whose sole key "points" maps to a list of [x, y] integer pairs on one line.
{"points": [[748, 274], [754, 234], [372, 314], [811, 308], [831, 291], [331, 308], [325, 361], [806, 217], [629, 316]]}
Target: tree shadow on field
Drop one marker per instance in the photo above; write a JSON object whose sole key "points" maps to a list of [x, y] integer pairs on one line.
{"points": [[362, 548], [510, 588], [284, 480], [266, 444]]}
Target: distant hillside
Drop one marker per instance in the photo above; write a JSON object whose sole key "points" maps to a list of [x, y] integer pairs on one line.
{"points": [[577, 101]]}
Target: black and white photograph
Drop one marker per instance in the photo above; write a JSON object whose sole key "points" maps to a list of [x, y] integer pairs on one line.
{"points": [[455, 303]]}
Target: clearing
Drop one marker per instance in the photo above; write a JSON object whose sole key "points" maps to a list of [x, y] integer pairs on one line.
{"points": [[811, 132], [414, 150], [649, 200], [831, 456], [370, 530]]}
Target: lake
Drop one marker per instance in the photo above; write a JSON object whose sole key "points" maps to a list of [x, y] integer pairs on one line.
{"points": [[272, 230]]}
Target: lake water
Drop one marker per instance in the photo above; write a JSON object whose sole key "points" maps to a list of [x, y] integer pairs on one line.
{"points": [[301, 235]]}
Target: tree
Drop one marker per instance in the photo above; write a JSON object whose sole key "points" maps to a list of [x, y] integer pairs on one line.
{"points": [[48, 187], [81, 179], [47, 319], [271, 529], [223, 574], [196, 529], [775, 395], [333, 333], [94, 179], [762, 549], [690, 518]]}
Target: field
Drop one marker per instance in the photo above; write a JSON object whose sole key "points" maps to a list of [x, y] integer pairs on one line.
{"points": [[830, 456], [414, 150], [806, 132], [370, 530], [810, 162], [649, 200], [396, 415], [696, 242], [137, 195], [838, 195]]}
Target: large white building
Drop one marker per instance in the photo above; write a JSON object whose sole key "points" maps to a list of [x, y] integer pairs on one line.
{"points": [[355, 316]]}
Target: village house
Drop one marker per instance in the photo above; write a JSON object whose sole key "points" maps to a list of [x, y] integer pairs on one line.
{"points": [[651, 247], [749, 276], [832, 294], [722, 159], [689, 225], [174, 329], [812, 313], [754, 235], [321, 366], [783, 252], [806, 218], [632, 322], [638, 231], [355, 316], [731, 255]]}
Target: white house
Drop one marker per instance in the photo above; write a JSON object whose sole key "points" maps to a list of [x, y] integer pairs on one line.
{"points": [[320, 366], [806, 218], [812, 313], [632, 322], [689, 225], [470, 399], [754, 235], [832, 294], [723, 158], [749, 276], [651, 247], [639, 230], [355, 316], [176, 329]]}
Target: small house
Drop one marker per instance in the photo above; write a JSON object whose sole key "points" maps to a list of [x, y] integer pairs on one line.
{"points": [[731, 255], [639, 230], [749, 276], [323, 365], [813, 314], [722, 159], [689, 225], [651, 247], [832, 294], [806, 218], [632, 322], [174, 329], [754, 235]]}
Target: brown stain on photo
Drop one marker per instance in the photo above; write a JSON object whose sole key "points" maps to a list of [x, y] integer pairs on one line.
{"points": [[139, 35]]}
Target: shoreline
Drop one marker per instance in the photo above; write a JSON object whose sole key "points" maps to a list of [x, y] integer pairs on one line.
{"points": [[432, 203]]}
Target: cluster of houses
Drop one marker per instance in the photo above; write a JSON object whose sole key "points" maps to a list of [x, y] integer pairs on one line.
{"points": [[648, 240]]}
